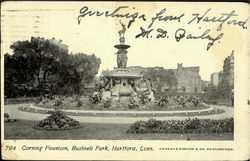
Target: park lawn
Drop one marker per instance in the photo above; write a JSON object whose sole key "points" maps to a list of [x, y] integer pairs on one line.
{"points": [[22, 129]]}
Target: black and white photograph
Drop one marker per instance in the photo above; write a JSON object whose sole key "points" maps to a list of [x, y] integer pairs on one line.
{"points": [[123, 71]]}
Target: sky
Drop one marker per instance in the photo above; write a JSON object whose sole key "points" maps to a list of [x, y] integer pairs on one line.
{"points": [[98, 35]]}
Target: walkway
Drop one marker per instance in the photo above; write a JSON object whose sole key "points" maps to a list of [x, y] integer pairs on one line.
{"points": [[14, 112]]}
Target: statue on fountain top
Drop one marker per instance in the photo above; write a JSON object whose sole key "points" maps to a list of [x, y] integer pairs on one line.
{"points": [[122, 33]]}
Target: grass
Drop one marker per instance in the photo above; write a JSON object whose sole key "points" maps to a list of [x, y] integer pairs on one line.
{"points": [[9, 101], [22, 129]]}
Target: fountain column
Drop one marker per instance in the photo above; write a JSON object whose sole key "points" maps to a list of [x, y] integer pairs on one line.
{"points": [[122, 49]]}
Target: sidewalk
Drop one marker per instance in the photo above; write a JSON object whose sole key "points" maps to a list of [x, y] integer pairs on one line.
{"points": [[14, 112]]}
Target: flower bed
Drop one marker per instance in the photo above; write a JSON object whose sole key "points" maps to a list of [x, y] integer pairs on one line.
{"points": [[183, 126], [57, 121], [95, 103], [179, 100]]}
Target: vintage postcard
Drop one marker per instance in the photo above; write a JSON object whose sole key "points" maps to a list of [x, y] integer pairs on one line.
{"points": [[125, 80]]}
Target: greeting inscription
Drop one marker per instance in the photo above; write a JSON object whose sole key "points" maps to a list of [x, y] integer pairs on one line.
{"points": [[149, 31]]}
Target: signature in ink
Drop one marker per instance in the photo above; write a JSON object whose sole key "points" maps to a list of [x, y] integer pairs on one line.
{"points": [[181, 33], [146, 33]]}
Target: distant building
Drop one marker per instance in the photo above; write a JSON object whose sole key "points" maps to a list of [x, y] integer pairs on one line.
{"points": [[204, 85], [228, 69], [214, 79], [226, 77], [188, 78], [220, 77]]}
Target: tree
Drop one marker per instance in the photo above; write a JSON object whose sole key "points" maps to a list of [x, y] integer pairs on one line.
{"points": [[9, 78], [160, 77], [32, 61], [42, 55], [171, 79], [44, 65], [85, 68]]}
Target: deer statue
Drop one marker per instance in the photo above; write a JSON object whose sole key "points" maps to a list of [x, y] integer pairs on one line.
{"points": [[122, 31]]}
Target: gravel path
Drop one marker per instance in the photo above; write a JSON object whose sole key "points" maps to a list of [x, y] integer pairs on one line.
{"points": [[13, 111]]}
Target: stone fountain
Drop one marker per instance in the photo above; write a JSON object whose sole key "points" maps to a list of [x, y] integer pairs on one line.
{"points": [[122, 83]]}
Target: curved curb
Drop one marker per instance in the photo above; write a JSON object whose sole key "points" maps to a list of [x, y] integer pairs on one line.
{"points": [[209, 111]]}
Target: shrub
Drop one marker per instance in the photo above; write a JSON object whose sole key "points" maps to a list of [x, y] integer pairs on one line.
{"points": [[163, 101], [133, 103], [144, 98], [6, 115], [57, 102], [39, 99], [96, 98], [183, 126], [179, 100], [107, 103], [79, 103], [57, 121]]}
